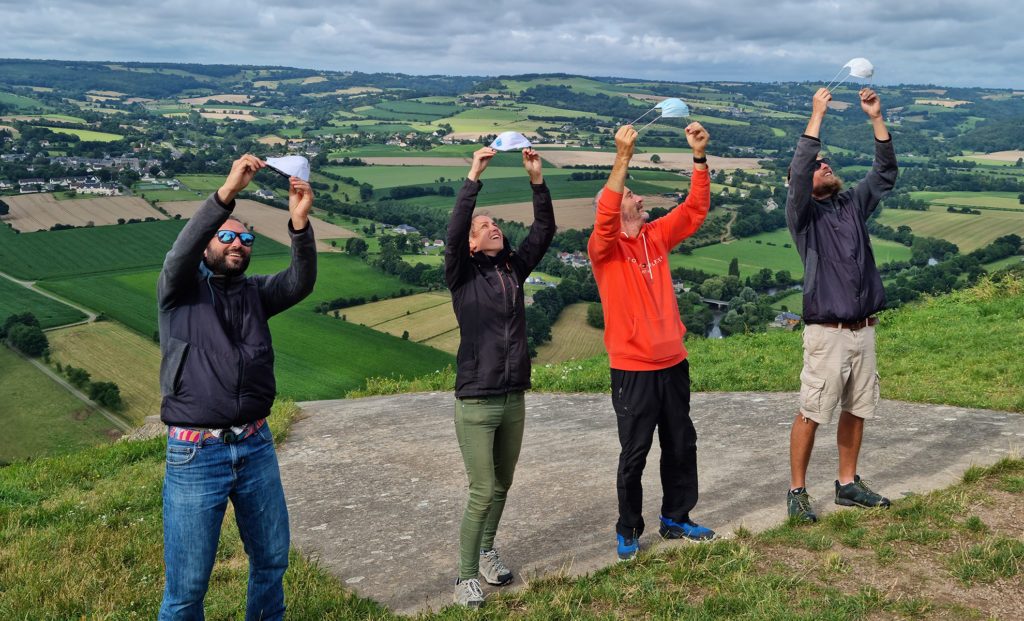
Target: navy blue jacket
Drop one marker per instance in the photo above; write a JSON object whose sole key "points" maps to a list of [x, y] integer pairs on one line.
{"points": [[217, 369], [487, 294], [841, 282]]}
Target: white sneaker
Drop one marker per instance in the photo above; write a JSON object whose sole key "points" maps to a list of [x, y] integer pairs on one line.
{"points": [[468, 593], [493, 570]]}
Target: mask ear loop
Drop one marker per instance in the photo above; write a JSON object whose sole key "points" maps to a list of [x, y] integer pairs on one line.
{"points": [[830, 87], [642, 116], [646, 126]]}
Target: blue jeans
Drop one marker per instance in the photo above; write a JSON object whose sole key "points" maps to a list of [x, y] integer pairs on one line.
{"points": [[199, 479]]}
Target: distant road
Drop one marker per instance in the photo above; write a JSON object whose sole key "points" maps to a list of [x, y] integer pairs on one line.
{"points": [[113, 418]]}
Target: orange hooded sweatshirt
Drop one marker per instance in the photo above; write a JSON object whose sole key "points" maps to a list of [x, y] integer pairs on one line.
{"points": [[642, 329]]}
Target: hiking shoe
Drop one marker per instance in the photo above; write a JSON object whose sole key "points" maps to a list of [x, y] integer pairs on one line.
{"points": [[858, 494], [468, 593], [799, 504], [493, 570], [686, 530], [627, 547]]}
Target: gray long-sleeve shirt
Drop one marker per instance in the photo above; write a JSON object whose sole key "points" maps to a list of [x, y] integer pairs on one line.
{"points": [[841, 282]]}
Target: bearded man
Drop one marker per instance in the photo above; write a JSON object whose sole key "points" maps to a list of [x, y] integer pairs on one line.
{"points": [[842, 291]]}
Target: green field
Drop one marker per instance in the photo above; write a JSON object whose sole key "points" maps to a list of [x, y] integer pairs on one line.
{"points": [[318, 357], [1001, 200], [21, 104], [40, 417], [207, 184], [16, 299], [967, 231], [100, 249], [753, 256], [86, 134], [171, 195]]}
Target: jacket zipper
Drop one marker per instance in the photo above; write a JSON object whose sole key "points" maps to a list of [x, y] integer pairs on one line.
{"points": [[504, 297]]}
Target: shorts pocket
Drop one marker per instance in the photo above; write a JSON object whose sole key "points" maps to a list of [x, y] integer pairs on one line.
{"points": [[876, 390], [815, 395]]}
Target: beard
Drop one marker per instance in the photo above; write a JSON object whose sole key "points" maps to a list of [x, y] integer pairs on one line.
{"points": [[829, 186], [218, 263]]}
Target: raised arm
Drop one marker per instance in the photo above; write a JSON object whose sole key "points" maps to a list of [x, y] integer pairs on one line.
{"points": [[608, 218], [542, 231], [287, 287], [456, 251], [882, 176], [801, 169]]}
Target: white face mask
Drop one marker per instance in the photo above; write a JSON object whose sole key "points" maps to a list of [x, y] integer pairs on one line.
{"points": [[673, 108], [506, 141], [859, 68], [290, 166]]}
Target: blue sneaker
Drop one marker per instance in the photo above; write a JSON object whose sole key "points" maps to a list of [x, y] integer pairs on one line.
{"points": [[627, 547], [687, 530]]}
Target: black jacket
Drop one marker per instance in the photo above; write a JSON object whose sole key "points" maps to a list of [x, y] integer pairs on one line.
{"points": [[217, 369], [487, 294], [841, 282]]}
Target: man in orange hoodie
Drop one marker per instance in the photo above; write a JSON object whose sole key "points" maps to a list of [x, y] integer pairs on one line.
{"points": [[644, 338]]}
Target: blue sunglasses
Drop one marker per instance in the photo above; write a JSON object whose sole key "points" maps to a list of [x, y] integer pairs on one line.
{"points": [[226, 237]]}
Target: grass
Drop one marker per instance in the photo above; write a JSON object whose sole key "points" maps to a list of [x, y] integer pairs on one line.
{"points": [[17, 299], [770, 253], [111, 352], [80, 537], [317, 357], [86, 134], [958, 349], [41, 418], [968, 232]]}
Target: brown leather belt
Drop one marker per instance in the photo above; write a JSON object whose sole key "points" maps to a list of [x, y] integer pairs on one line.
{"points": [[852, 325]]}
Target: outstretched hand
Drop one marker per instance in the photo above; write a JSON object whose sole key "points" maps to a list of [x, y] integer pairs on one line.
{"points": [[625, 140], [870, 103], [300, 201], [481, 158], [242, 171], [532, 164]]}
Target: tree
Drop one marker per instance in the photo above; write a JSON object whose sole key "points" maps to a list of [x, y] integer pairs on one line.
{"points": [[595, 315], [734, 267], [29, 339], [26, 318], [656, 158], [356, 246], [106, 394]]}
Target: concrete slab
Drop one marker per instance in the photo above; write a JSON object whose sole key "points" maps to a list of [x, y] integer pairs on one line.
{"points": [[376, 486]]}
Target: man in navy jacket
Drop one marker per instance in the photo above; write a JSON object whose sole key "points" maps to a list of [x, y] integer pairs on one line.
{"points": [[217, 386], [842, 291]]}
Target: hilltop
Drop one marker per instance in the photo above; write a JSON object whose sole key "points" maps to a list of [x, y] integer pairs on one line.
{"points": [[389, 151]]}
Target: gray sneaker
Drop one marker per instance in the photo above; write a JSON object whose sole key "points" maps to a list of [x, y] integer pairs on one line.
{"points": [[493, 570], [468, 593], [858, 494]]}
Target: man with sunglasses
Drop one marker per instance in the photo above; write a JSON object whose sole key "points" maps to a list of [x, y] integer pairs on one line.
{"points": [[842, 292], [217, 384]]}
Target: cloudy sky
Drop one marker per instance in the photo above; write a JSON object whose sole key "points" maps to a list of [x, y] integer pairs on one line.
{"points": [[943, 42]]}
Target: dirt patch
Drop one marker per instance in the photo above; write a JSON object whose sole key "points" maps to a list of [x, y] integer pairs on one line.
{"points": [[945, 103], [839, 105], [226, 98], [81, 414], [113, 434], [314, 79], [275, 140], [355, 90], [669, 161], [1001, 156], [269, 221], [38, 212], [475, 135], [237, 115], [937, 91]]}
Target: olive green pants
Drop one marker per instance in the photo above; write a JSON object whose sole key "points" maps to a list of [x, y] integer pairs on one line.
{"points": [[490, 433]]}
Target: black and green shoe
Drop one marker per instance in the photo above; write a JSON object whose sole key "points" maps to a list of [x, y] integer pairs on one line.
{"points": [[799, 504], [858, 494]]}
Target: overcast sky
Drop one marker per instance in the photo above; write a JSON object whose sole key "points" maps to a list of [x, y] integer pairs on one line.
{"points": [[943, 42]]}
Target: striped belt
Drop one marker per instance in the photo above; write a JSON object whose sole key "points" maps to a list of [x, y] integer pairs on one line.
{"points": [[227, 436]]}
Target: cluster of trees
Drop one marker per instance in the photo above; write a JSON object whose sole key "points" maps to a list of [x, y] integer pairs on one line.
{"points": [[107, 394], [414, 191], [22, 331]]}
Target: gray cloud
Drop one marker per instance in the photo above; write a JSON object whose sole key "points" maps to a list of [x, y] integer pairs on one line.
{"points": [[954, 43]]}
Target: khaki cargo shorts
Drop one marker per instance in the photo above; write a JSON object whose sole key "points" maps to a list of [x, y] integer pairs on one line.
{"points": [[839, 373]]}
